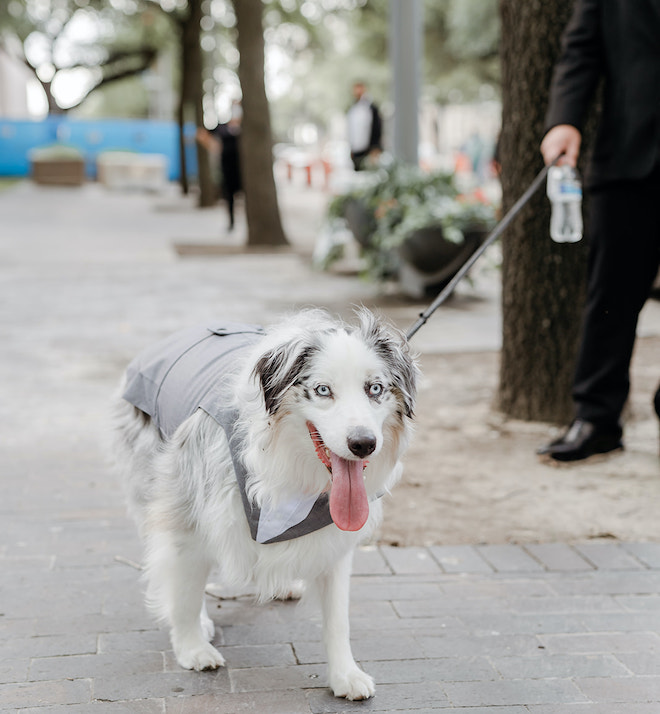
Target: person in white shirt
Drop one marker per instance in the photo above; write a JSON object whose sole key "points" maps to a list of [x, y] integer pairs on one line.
{"points": [[364, 127]]}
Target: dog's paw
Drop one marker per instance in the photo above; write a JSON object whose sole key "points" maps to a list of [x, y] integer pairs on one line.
{"points": [[294, 592], [199, 657], [354, 684]]}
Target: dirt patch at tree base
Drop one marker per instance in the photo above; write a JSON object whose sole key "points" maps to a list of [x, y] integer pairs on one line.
{"points": [[472, 476]]}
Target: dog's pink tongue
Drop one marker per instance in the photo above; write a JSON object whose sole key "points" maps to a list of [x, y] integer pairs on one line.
{"points": [[349, 505]]}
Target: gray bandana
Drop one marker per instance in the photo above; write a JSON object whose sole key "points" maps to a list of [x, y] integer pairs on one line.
{"points": [[189, 370]]}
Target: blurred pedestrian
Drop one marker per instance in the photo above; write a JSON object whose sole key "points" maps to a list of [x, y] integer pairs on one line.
{"points": [[225, 139], [617, 41], [365, 127]]}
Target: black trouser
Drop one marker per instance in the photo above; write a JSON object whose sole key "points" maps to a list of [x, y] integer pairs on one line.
{"points": [[624, 227], [231, 181], [358, 158]]}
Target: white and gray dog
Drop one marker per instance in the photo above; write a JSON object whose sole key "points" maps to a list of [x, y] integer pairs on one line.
{"points": [[264, 453]]}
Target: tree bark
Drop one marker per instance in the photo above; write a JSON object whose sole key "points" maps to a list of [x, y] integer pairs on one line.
{"points": [[542, 282], [54, 108], [181, 121], [256, 147], [192, 94]]}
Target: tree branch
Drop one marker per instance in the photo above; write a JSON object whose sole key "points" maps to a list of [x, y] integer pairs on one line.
{"points": [[147, 56]]}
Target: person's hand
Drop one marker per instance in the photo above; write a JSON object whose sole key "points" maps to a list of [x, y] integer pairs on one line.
{"points": [[563, 138], [201, 136], [207, 140]]}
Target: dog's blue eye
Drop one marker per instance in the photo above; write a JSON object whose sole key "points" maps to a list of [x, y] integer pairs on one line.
{"points": [[323, 390], [375, 389]]}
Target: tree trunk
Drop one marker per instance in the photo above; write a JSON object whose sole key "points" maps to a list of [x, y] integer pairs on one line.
{"points": [[181, 110], [256, 147], [183, 163], [54, 109], [542, 281], [192, 94]]}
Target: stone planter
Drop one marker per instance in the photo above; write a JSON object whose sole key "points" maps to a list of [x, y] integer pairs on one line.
{"points": [[127, 171], [428, 261], [425, 262], [58, 172]]}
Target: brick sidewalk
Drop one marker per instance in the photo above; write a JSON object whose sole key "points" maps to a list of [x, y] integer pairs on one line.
{"points": [[545, 629]]}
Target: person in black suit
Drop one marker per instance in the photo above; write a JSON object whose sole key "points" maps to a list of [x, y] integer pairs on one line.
{"points": [[365, 127], [617, 41]]}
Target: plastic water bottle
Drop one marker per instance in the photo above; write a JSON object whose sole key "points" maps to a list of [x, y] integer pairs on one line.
{"points": [[564, 189]]}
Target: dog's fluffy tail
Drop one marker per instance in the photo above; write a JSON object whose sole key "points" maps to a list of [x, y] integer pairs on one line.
{"points": [[135, 441]]}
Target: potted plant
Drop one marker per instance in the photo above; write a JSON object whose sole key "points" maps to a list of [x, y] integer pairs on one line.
{"points": [[412, 225]]}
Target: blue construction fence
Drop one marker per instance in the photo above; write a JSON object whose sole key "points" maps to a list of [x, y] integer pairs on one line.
{"points": [[92, 137]]}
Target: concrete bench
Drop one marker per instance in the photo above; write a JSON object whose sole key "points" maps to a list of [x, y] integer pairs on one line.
{"points": [[123, 170]]}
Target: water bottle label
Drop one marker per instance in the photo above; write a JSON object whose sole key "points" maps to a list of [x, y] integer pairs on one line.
{"points": [[570, 189]]}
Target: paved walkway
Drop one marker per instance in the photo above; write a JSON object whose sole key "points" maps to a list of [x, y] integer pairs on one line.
{"points": [[87, 279]]}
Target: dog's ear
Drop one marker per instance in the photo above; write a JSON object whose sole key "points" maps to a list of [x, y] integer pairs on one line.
{"points": [[393, 348], [280, 368]]}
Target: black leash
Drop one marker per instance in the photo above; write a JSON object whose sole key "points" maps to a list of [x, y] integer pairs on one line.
{"points": [[493, 236]]}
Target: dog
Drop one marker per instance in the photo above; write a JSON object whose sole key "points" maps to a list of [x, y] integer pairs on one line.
{"points": [[264, 453]]}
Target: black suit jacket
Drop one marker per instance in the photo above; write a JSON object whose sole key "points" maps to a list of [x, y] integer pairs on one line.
{"points": [[618, 40]]}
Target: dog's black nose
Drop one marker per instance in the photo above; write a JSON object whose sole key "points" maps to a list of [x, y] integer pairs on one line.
{"points": [[361, 442]]}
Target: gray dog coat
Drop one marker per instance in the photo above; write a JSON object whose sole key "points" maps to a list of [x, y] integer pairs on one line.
{"points": [[191, 370]]}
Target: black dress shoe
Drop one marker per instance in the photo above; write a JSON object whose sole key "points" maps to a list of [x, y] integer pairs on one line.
{"points": [[583, 439]]}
